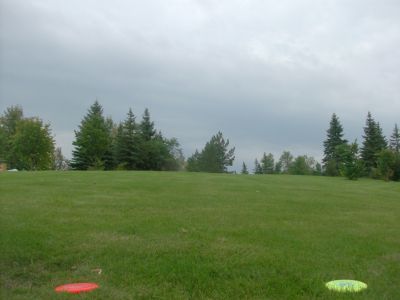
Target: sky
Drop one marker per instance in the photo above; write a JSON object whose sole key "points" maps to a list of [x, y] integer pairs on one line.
{"points": [[267, 74]]}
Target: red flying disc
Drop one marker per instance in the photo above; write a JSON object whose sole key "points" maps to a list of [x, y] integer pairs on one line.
{"points": [[76, 288]]}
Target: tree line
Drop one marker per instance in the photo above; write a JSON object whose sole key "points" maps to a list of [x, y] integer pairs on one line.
{"points": [[378, 157], [287, 164], [102, 144]]}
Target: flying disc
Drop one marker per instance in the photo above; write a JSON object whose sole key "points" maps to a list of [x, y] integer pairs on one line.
{"points": [[345, 285], [76, 288]]}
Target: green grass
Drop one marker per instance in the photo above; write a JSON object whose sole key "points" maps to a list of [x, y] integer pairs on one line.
{"points": [[197, 236]]}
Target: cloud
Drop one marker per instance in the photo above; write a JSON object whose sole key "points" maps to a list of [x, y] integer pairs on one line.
{"points": [[267, 74]]}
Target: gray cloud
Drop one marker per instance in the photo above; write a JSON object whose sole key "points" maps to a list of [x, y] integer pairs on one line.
{"points": [[268, 74]]}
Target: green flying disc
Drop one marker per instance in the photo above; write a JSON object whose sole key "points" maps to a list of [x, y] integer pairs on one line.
{"points": [[345, 285]]}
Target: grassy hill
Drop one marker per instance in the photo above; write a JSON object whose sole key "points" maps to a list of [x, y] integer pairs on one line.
{"points": [[197, 236]]}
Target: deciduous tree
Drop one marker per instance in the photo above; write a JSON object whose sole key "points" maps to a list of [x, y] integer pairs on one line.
{"points": [[32, 145]]}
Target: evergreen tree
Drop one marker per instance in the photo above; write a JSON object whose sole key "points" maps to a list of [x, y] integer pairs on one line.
{"points": [[147, 131], [373, 143], [214, 158], [109, 157], [127, 143], [244, 169], [117, 147], [147, 143], [395, 139], [257, 167], [267, 164], [92, 140], [331, 160]]}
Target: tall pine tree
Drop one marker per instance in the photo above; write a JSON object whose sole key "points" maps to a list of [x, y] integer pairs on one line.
{"points": [[127, 143], [92, 140], [331, 159], [374, 142]]}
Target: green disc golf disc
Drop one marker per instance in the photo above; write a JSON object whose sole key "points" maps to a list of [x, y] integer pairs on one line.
{"points": [[345, 285]]}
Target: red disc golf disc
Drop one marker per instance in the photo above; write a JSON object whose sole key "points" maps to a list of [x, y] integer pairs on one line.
{"points": [[76, 288]]}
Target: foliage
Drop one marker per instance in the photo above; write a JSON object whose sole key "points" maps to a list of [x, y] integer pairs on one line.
{"points": [[193, 162], [8, 127], [278, 168], [214, 158], [244, 169], [302, 165], [267, 163], [388, 164], [373, 143], [25, 143], [395, 140], [285, 161], [331, 160], [127, 143], [60, 163], [257, 167], [351, 166], [92, 141], [318, 169], [32, 145]]}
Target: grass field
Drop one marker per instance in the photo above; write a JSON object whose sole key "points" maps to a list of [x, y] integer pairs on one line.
{"points": [[197, 236]]}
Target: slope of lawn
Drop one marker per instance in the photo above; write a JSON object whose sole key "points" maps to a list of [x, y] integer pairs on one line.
{"points": [[161, 235]]}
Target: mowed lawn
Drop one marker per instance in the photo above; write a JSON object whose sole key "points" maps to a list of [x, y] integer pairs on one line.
{"points": [[172, 235]]}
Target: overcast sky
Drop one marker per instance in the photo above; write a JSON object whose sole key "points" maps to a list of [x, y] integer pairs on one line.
{"points": [[268, 74]]}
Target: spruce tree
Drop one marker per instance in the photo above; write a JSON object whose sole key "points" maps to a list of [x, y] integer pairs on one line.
{"points": [[147, 131], [331, 159], [147, 143], [244, 169], [92, 140], [395, 139], [373, 143], [127, 143]]}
